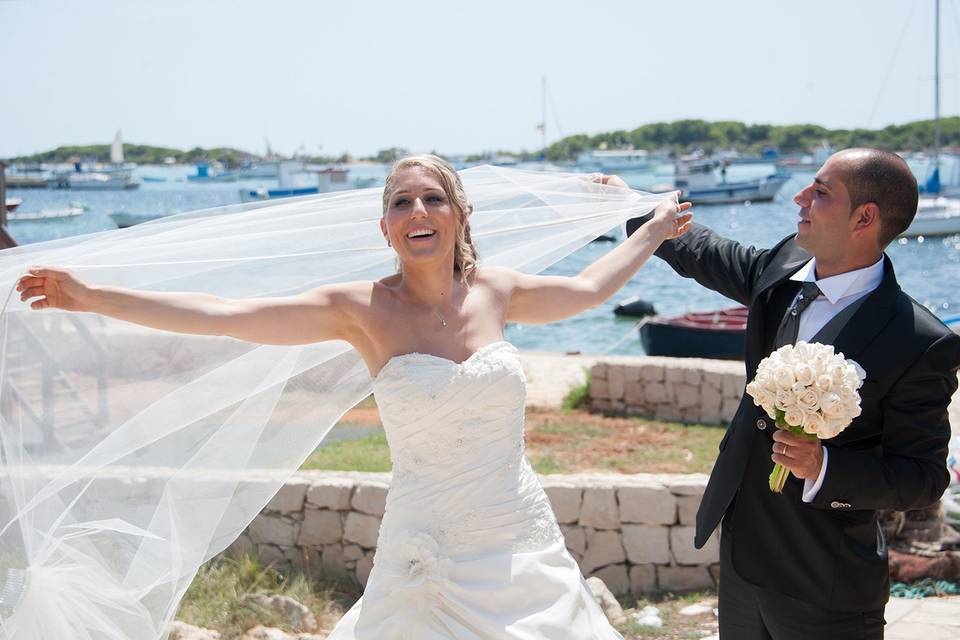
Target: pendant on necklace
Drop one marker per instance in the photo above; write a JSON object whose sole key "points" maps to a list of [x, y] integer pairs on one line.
{"points": [[443, 322]]}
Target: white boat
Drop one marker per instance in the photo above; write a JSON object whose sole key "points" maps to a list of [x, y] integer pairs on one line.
{"points": [[935, 217], [612, 160], [47, 215], [124, 219], [99, 180], [290, 185], [937, 214], [115, 176], [697, 179]]}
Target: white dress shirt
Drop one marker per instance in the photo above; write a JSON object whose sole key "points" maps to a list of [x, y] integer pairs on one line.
{"points": [[839, 292]]}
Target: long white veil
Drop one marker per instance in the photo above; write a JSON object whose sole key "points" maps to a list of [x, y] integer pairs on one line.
{"points": [[129, 456]]}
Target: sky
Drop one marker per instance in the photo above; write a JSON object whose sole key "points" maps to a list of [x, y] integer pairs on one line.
{"points": [[357, 76]]}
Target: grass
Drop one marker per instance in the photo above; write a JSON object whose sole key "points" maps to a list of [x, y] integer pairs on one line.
{"points": [[578, 396], [676, 626], [217, 597], [369, 453], [560, 441]]}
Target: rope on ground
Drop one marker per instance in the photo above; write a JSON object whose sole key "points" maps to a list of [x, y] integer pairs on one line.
{"points": [[925, 588], [625, 336]]}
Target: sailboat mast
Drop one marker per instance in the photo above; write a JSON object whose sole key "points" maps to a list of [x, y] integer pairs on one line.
{"points": [[936, 86]]}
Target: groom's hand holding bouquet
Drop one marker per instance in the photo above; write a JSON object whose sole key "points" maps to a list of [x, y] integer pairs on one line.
{"points": [[812, 394]]}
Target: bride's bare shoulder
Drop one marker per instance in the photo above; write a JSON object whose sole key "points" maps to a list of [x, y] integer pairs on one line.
{"points": [[496, 277]]}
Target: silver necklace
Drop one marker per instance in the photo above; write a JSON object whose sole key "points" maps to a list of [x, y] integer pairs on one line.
{"points": [[443, 320]]}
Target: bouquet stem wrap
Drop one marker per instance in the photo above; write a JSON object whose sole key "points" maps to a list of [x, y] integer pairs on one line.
{"points": [[779, 475]]}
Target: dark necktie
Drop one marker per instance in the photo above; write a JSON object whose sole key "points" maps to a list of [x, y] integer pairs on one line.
{"points": [[790, 325]]}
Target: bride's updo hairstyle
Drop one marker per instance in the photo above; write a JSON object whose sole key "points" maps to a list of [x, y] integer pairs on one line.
{"points": [[464, 253]]}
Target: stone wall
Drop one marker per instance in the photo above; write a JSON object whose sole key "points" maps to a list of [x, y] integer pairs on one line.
{"points": [[677, 389], [635, 532]]}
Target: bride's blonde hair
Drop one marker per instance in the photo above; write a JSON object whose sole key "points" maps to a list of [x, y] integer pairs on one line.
{"points": [[464, 252]]}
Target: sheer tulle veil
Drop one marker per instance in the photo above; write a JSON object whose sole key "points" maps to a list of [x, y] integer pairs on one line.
{"points": [[129, 456]]}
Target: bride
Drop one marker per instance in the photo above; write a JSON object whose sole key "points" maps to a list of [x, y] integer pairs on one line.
{"points": [[468, 546]]}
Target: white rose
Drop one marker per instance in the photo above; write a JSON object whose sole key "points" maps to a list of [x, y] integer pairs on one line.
{"points": [[809, 399], [770, 409], [824, 383], [833, 427], [784, 399], [813, 423], [803, 372], [793, 416], [783, 376], [832, 405]]}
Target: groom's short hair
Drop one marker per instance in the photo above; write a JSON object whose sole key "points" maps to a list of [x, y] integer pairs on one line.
{"points": [[882, 177]]}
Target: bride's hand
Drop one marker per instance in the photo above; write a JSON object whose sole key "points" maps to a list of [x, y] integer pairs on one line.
{"points": [[54, 288], [671, 219]]}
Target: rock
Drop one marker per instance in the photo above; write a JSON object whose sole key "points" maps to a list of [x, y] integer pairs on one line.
{"points": [[575, 537], [261, 632], [320, 526], [297, 615], [603, 547], [290, 497], [370, 498], [352, 552], [362, 529], [681, 544], [647, 617], [646, 544], [643, 578], [687, 509], [334, 494], [364, 567], [681, 579], [697, 609], [565, 500], [615, 577], [653, 504], [241, 547], [183, 631], [615, 381], [603, 596], [599, 508], [273, 530]]}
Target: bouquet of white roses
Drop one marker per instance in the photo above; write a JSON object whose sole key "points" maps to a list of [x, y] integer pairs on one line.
{"points": [[808, 390]]}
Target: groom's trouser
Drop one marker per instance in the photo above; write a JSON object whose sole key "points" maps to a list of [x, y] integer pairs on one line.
{"points": [[748, 612]]}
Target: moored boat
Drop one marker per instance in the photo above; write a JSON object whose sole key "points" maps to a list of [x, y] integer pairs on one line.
{"points": [[12, 203], [697, 179], [938, 216], [46, 215], [713, 334]]}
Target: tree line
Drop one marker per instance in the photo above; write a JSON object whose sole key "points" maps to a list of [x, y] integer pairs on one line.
{"points": [[678, 137]]}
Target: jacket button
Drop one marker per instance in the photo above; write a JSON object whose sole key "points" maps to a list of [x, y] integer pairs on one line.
{"points": [[761, 424]]}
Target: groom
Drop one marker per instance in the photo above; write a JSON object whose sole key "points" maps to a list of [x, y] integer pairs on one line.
{"points": [[812, 562]]}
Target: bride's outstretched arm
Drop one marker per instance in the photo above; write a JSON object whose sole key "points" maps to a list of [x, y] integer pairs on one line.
{"points": [[541, 299], [324, 313]]}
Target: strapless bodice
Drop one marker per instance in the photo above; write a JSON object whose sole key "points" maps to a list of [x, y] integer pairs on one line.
{"points": [[455, 432]]}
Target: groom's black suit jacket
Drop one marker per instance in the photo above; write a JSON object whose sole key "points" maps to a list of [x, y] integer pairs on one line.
{"points": [[830, 552]]}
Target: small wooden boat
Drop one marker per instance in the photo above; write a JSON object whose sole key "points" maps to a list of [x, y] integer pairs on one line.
{"points": [[634, 307], [713, 334], [13, 203], [47, 215]]}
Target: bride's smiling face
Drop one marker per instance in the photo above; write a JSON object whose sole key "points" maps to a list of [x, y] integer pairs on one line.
{"points": [[420, 219]]}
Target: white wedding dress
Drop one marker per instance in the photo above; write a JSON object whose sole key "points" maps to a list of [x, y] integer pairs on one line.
{"points": [[469, 547]]}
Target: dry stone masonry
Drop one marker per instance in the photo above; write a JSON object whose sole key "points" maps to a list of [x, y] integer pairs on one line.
{"points": [[677, 389], [635, 532]]}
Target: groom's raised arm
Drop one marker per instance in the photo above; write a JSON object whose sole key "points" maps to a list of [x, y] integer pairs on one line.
{"points": [[726, 266]]}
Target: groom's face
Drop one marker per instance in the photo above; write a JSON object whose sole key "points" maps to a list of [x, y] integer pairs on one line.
{"points": [[824, 225]]}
